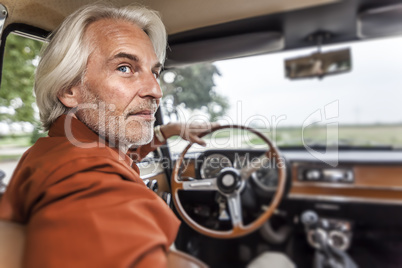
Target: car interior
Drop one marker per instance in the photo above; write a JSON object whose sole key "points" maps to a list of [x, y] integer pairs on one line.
{"points": [[307, 160]]}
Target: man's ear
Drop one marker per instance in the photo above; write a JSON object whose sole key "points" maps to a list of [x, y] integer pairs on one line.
{"points": [[70, 97]]}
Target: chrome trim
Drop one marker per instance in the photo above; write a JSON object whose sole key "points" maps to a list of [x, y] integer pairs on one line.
{"points": [[151, 175], [310, 237], [150, 168], [3, 17], [345, 199], [200, 184], [31, 36], [344, 185], [352, 157], [345, 240], [326, 206]]}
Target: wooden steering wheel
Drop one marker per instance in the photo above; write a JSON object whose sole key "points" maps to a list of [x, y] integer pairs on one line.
{"points": [[228, 183]]}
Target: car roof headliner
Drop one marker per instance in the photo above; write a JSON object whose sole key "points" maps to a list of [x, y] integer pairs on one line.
{"points": [[178, 15], [208, 22]]}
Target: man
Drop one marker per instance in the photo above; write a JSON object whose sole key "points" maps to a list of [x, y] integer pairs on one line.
{"points": [[77, 192]]}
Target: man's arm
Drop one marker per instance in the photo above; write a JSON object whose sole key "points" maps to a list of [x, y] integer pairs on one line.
{"points": [[187, 132]]}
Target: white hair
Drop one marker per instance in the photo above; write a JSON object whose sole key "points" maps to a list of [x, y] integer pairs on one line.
{"points": [[64, 60]]}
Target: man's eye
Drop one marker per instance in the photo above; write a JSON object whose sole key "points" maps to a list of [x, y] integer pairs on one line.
{"points": [[156, 74], [124, 69]]}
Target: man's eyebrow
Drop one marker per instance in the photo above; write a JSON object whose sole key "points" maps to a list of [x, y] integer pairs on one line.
{"points": [[132, 57], [125, 55], [158, 65]]}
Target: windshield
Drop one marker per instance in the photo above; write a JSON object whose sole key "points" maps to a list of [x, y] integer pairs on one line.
{"points": [[360, 108]]}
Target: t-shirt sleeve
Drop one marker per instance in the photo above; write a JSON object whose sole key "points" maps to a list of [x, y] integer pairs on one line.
{"points": [[97, 219]]}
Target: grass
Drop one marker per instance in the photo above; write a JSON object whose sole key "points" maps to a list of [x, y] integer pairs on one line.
{"points": [[354, 135], [362, 135], [15, 140], [366, 135], [9, 157]]}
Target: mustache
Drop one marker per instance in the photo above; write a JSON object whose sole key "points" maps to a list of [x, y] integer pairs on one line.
{"points": [[145, 107]]}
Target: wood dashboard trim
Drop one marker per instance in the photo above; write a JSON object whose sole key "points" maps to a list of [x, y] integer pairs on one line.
{"points": [[323, 198], [372, 183], [378, 176]]}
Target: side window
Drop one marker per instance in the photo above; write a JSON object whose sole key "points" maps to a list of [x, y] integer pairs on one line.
{"points": [[19, 119], [191, 95]]}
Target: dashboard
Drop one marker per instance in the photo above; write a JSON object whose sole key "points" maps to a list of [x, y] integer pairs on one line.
{"points": [[347, 184], [359, 176], [357, 193]]}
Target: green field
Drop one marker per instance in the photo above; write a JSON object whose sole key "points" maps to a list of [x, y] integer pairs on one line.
{"points": [[15, 140], [353, 135], [363, 135]]}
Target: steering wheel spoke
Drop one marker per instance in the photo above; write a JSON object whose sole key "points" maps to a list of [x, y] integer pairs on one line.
{"points": [[234, 205], [200, 185]]}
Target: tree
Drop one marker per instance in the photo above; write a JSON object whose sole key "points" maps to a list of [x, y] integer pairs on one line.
{"points": [[16, 93], [193, 87]]}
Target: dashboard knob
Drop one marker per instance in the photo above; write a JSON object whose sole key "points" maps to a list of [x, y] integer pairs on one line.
{"points": [[154, 186], [151, 184], [338, 240], [309, 218], [313, 174], [167, 197]]}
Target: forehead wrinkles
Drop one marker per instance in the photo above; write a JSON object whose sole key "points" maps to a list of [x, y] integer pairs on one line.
{"points": [[99, 34]]}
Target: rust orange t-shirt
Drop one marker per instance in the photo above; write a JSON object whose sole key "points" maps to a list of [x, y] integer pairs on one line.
{"points": [[84, 205]]}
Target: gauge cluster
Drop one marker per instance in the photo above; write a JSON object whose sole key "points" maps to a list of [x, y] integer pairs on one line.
{"points": [[213, 164]]}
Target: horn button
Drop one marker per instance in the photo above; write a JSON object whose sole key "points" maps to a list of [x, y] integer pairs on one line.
{"points": [[228, 180]]}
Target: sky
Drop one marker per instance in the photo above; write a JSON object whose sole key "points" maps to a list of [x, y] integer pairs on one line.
{"points": [[370, 93]]}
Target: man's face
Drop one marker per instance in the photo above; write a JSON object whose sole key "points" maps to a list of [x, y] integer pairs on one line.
{"points": [[121, 80]]}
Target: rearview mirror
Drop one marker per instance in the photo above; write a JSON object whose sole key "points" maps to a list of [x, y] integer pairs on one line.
{"points": [[319, 64]]}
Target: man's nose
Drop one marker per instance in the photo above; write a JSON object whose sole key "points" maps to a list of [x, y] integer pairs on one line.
{"points": [[150, 87]]}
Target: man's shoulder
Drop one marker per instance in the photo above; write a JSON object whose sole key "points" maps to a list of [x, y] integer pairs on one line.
{"points": [[52, 155], [62, 148], [54, 163]]}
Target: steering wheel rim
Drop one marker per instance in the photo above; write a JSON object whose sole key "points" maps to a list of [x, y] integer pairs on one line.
{"points": [[233, 200]]}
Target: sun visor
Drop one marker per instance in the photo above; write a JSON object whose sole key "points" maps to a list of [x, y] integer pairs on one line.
{"points": [[378, 22], [224, 48]]}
